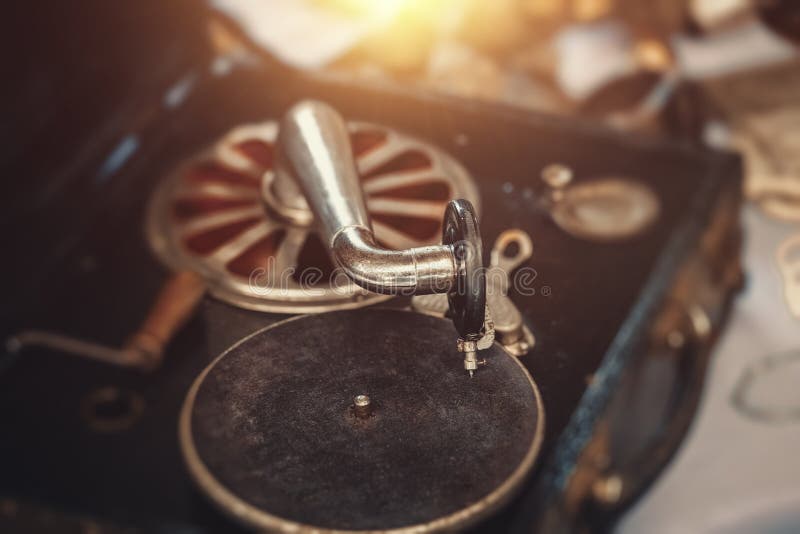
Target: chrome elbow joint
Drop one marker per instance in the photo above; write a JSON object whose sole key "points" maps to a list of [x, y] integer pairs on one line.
{"points": [[420, 270]]}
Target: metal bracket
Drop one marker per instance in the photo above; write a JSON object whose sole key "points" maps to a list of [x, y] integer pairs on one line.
{"points": [[506, 320]]}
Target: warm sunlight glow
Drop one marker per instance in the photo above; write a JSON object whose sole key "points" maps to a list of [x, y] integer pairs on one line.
{"points": [[378, 10]]}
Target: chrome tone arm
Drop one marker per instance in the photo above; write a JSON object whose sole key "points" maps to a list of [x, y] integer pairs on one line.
{"points": [[314, 148]]}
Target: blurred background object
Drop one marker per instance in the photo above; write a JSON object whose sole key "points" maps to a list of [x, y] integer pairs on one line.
{"points": [[619, 61]]}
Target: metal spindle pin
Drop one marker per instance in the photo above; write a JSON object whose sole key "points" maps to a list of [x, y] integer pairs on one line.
{"points": [[362, 406]]}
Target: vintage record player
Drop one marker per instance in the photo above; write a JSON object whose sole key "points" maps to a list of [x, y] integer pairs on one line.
{"points": [[239, 296]]}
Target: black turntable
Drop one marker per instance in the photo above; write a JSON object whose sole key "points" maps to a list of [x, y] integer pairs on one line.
{"points": [[543, 392]]}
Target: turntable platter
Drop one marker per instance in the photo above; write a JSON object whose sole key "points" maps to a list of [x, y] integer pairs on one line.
{"points": [[360, 420]]}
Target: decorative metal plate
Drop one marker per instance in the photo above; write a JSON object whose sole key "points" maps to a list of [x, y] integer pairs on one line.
{"points": [[208, 216], [606, 209], [360, 420]]}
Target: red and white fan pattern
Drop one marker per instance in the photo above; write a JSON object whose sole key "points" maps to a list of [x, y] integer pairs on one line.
{"points": [[209, 217]]}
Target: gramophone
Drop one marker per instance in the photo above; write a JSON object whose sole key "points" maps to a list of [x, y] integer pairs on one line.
{"points": [[368, 388]]}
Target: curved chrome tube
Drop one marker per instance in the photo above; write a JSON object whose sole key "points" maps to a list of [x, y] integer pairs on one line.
{"points": [[413, 271], [314, 149]]}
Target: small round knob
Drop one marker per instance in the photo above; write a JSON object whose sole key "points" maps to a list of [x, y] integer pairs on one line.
{"points": [[556, 175]]}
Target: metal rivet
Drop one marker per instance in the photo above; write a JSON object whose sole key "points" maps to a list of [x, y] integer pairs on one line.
{"points": [[676, 340], [608, 490]]}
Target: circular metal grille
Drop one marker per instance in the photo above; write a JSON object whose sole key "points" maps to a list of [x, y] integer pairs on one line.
{"points": [[208, 216]]}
